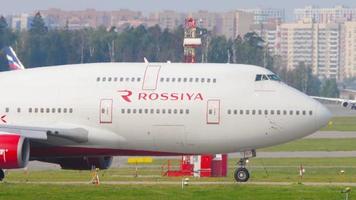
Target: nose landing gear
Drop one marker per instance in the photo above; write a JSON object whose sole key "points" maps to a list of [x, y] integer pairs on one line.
{"points": [[241, 174]]}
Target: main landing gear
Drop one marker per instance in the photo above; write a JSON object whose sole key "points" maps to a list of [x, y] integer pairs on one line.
{"points": [[2, 174], [241, 174]]}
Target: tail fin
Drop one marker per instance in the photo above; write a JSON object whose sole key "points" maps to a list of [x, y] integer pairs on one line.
{"points": [[14, 62]]}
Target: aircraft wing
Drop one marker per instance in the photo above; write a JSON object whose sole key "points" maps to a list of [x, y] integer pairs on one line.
{"points": [[75, 134], [347, 103]]}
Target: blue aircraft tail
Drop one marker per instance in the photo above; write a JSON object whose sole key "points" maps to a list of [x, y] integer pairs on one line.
{"points": [[14, 62]]}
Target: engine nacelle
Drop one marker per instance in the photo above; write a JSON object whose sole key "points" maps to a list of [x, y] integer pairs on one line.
{"points": [[14, 151], [85, 163]]}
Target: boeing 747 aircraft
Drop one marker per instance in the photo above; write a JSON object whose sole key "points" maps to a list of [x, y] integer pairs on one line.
{"points": [[82, 115]]}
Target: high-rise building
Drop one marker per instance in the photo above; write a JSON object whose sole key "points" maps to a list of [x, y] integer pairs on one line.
{"points": [[349, 50], [21, 22], [315, 44], [266, 15], [269, 34], [326, 15], [167, 19], [208, 20], [235, 23]]}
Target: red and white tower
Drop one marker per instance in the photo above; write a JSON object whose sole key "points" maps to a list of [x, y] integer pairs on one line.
{"points": [[191, 41]]}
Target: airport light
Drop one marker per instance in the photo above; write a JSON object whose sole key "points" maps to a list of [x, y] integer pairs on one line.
{"points": [[185, 182], [346, 191]]}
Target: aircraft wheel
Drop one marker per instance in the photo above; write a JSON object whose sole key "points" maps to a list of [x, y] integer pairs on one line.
{"points": [[241, 174], [2, 174]]}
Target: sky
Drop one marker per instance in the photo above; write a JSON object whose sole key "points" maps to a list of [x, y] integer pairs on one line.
{"points": [[18, 6]]}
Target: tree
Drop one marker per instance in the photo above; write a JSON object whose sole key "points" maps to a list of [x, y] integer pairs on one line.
{"points": [[329, 88], [218, 50]]}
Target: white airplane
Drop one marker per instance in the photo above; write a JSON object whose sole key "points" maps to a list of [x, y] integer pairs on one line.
{"points": [[79, 116]]}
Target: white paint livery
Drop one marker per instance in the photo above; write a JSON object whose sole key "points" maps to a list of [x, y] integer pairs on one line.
{"points": [[97, 121]]}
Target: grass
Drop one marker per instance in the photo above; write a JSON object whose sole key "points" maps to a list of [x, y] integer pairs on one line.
{"points": [[341, 124], [345, 144], [222, 192]]}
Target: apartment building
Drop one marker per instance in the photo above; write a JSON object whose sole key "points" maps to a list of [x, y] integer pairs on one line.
{"points": [[315, 44], [266, 15], [349, 50], [235, 23], [326, 15]]}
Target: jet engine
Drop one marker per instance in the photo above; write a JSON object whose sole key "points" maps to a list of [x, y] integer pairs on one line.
{"points": [[14, 151], [85, 163]]}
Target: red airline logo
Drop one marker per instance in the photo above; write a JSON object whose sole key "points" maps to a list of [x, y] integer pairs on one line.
{"points": [[163, 96], [125, 94]]}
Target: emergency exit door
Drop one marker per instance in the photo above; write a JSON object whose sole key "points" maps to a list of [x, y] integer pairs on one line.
{"points": [[106, 111], [151, 77], [213, 111]]}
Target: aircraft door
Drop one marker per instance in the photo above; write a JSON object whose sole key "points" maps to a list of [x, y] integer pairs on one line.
{"points": [[151, 77], [106, 111], [213, 111]]}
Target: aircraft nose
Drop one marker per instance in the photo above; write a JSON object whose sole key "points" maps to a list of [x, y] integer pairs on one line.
{"points": [[323, 115]]}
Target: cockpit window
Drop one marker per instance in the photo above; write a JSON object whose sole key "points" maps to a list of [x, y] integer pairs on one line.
{"points": [[273, 77], [265, 77]]}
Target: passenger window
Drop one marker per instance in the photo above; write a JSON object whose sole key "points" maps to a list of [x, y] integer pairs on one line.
{"points": [[132, 79], [123, 111], [30, 110], [310, 112], [291, 112], [175, 111], [163, 111], [266, 112], [196, 80], [98, 79], [304, 112], [140, 111], [70, 110], [162, 79], [253, 112], [128, 111], [121, 79], [272, 112], [235, 112], [202, 80], [36, 110], [167, 79], [187, 111], [104, 79], [109, 79], [152, 111], [184, 80], [241, 112], [208, 80], [278, 112], [134, 111], [229, 112], [260, 112], [247, 112], [127, 79], [173, 79], [181, 111], [284, 112], [214, 80], [42, 110], [210, 111], [65, 110], [18, 110], [47, 110], [138, 79], [179, 80], [190, 79], [7, 110], [297, 112], [115, 79], [169, 111], [146, 111], [157, 111]]}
